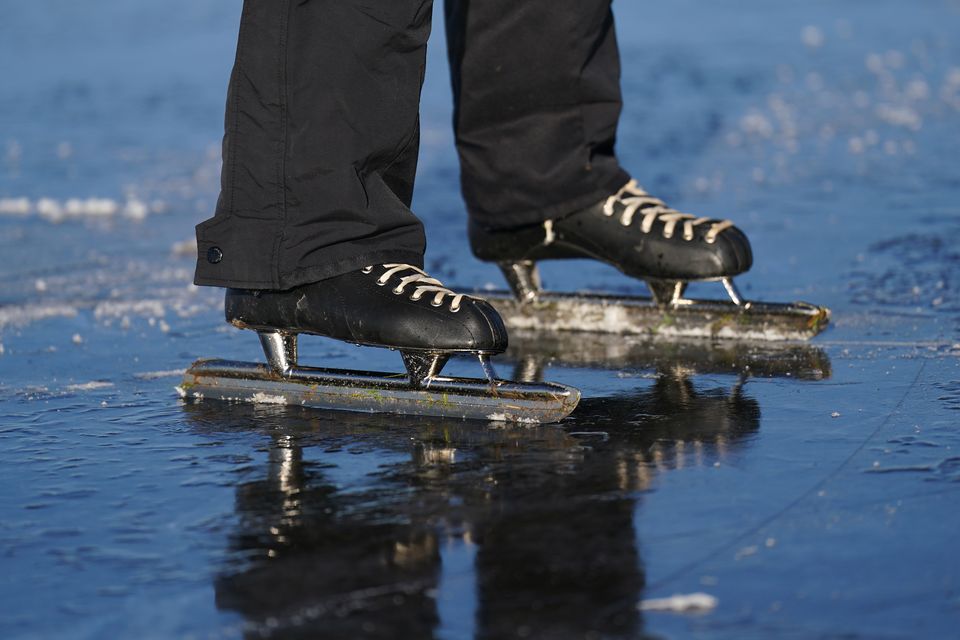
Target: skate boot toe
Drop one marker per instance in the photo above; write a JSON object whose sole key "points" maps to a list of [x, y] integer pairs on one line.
{"points": [[475, 327], [734, 255]]}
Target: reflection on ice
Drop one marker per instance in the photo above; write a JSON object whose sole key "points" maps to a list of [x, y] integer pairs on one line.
{"points": [[550, 511]]}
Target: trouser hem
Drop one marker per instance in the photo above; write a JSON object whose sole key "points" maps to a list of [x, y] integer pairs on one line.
{"points": [[506, 221], [316, 273]]}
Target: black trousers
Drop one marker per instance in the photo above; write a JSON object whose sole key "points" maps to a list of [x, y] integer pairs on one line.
{"points": [[322, 129]]}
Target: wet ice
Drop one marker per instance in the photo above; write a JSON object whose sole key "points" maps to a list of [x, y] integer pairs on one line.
{"points": [[828, 132]]}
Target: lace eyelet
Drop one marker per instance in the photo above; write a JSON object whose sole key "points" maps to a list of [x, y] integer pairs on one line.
{"points": [[381, 283], [397, 291], [454, 309], [367, 269], [434, 303], [416, 297]]}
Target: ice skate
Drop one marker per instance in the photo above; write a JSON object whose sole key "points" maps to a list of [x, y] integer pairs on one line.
{"points": [[645, 239], [396, 306]]}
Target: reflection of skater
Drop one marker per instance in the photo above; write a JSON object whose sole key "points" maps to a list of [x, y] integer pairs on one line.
{"points": [[313, 230], [551, 514]]}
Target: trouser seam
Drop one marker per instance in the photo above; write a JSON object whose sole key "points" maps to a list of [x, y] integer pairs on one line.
{"points": [[584, 147], [235, 125], [280, 236]]}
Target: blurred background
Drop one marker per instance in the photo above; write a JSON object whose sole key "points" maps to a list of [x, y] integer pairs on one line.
{"points": [[828, 130]]}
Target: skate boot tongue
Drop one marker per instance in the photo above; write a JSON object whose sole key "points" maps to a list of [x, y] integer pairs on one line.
{"points": [[418, 282], [634, 200]]}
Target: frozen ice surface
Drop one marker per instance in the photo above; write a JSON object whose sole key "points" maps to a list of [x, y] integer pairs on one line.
{"points": [[811, 490]]}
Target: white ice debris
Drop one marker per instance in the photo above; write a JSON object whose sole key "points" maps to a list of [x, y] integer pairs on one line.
{"points": [[812, 36], [15, 206], [755, 123], [23, 315], [681, 603], [135, 209], [14, 152], [154, 375], [917, 89], [49, 209], [899, 116], [57, 211], [91, 207], [77, 339], [186, 247], [123, 309], [89, 386], [502, 417], [746, 552], [263, 398]]}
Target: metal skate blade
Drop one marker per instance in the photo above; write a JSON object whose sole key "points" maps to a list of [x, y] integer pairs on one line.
{"points": [[633, 315], [531, 352], [370, 392]]}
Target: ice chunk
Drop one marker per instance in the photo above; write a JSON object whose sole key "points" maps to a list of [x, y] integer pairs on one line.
{"points": [[681, 603]]}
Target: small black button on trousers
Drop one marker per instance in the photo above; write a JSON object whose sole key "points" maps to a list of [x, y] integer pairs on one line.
{"points": [[322, 129]]}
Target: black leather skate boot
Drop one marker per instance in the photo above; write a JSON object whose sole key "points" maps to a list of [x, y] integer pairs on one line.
{"points": [[391, 305], [630, 230]]}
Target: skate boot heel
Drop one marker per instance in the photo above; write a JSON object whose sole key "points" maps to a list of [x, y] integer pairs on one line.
{"points": [[280, 348], [523, 278]]}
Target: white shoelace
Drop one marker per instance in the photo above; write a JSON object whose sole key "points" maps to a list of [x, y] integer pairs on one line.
{"points": [[422, 282], [633, 197]]}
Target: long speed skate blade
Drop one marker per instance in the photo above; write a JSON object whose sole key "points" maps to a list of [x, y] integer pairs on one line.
{"points": [[532, 352], [629, 315], [448, 397]]}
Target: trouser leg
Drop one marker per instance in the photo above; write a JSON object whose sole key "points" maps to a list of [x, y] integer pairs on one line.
{"points": [[537, 98], [320, 145]]}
